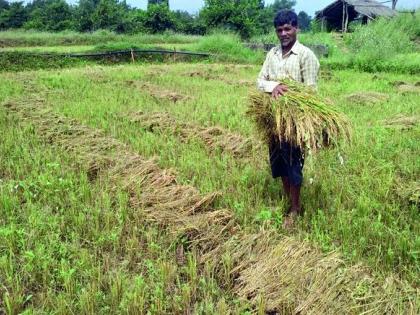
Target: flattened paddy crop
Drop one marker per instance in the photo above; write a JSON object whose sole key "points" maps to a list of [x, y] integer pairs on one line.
{"points": [[186, 231]]}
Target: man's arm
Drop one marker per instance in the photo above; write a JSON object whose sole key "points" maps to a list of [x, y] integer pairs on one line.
{"points": [[310, 69]]}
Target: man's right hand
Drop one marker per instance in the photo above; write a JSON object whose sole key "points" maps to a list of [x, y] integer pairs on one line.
{"points": [[279, 90]]}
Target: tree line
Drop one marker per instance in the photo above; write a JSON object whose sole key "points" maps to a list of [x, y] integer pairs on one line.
{"points": [[246, 17]]}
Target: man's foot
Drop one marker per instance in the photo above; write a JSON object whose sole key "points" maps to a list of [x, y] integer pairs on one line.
{"points": [[291, 216], [289, 220]]}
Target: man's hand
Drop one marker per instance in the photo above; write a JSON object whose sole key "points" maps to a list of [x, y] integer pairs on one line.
{"points": [[279, 90]]}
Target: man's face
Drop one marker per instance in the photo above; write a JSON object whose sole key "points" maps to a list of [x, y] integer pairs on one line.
{"points": [[287, 34]]}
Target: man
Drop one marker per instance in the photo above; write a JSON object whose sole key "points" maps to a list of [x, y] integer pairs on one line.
{"points": [[294, 61]]}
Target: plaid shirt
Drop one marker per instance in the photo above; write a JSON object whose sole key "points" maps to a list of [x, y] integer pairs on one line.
{"points": [[300, 64]]}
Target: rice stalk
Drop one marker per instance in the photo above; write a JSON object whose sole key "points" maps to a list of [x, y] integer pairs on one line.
{"points": [[300, 117]]}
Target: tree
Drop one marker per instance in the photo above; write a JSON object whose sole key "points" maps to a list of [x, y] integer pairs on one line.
{"points": [[158, 19], [13, 17], [281, 5], [271, 10], [157, 2], [4, 5], [304, 21], [187, 23], [240, 16], [83, 15], [111, 15], [58, 16], [49, 15]]}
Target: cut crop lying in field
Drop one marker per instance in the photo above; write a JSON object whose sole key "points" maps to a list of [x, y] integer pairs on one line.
{"points": [[206, 75], [291, 270], [157, 92], [209, 75], [293, 277], [409, 192], [366, 98], [402, 122], [214, 138], [301, 117], [408, 88], [152, 190]]}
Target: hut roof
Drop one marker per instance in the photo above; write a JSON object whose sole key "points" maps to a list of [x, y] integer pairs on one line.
{"points": [[369, 8]]}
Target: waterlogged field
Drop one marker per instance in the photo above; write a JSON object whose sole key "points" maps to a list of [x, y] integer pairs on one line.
{"points": [[145, 189]]}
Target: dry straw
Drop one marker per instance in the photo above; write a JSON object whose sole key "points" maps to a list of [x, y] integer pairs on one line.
{"points": [[300, 117], [366, 98], [215, 138]]}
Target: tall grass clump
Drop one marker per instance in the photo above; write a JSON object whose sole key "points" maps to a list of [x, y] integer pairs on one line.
{"points": [[383, 39], [300, 117], [228, 47]]}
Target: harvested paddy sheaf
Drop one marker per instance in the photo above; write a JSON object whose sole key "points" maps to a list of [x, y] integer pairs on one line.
{"points": [[301, 118], [366, 98], [276, 273], [157, 92], [214, 138], [402, 122]]}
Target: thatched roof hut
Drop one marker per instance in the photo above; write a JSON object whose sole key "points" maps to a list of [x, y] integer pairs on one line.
{"points": [[338, 14]]}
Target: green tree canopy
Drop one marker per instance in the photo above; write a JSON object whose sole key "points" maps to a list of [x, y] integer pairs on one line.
{"points": [[14, 16], [111, 15], [4, 5], [158, 19], [304, 21], [281, 5], [157, 2], [49, 15], [240, 16], [84, 14]]}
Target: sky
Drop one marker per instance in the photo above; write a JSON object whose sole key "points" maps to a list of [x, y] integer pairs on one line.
{"points": [[309, 6]]}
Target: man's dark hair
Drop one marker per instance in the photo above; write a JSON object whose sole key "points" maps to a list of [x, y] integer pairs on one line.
{"points": [[286, 17]]}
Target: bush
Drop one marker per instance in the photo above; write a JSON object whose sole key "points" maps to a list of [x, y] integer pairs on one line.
{"points": [[382, 39]]}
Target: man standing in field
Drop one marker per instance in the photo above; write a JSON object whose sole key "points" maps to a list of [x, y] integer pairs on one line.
{"points": [[294, 61]]}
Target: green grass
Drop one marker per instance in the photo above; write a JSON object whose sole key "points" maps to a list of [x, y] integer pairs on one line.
{"points": [[70, 245], [352, 207]]}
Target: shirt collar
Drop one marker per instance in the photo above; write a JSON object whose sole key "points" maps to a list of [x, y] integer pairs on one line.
{"points": [[295, 49]]}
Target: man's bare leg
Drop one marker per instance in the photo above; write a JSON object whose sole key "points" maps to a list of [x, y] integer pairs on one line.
{"points": [[295, 199], [295, 208], [286, 185]]}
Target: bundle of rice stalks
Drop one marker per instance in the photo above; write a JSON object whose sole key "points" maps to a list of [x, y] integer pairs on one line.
{"points": [[301, 117]]}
